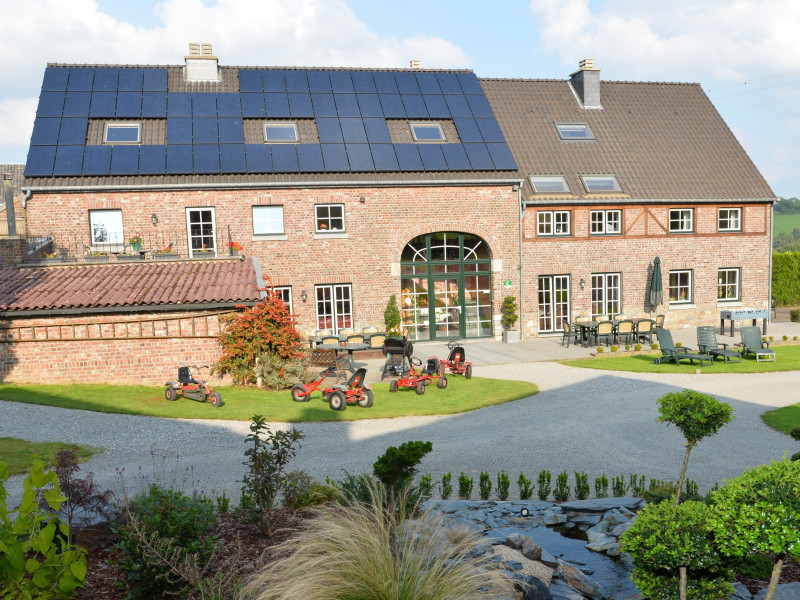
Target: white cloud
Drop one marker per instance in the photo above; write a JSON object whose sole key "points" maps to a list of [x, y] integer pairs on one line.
{"points": [[16, 125]]}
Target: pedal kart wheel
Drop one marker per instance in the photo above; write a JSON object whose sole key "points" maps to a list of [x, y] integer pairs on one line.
{"points": [[393, 385], [337, 401], [299, 393], [468, 372], [442, 383], [421, 388], [170, 393], [216, 399], [367, 399]]}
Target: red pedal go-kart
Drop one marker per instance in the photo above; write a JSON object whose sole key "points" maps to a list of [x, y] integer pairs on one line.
{"points": [[456, 362], [189, 387], [338, 396], [301, 392], [420, 379]]}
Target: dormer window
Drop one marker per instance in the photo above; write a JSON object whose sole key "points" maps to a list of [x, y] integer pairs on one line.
{"points": [[600, 183], [549, 185], [122, 133], [574, 131], [427, 132], [280, 133]]}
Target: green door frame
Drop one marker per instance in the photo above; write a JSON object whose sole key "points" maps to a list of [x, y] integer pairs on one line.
{"points": [[433, 325]]}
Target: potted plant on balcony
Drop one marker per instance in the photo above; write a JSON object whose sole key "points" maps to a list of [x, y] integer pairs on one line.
{"points": [[204, 252], [235, 248], [96, 256], [165, 253], [509, 320], [136, 243]]}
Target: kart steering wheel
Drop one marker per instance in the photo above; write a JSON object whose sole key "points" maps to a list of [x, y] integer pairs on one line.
{"points": [[415, 361]]}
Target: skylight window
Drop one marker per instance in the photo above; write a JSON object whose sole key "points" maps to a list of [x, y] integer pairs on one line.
{"points": [[122, 133], [574, 131], [601, 183], [427, 132], [280, 133], [549, 185]]}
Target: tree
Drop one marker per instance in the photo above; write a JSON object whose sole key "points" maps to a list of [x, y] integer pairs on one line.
{"points": [[391, 316], [759, 511], [509, 312]]}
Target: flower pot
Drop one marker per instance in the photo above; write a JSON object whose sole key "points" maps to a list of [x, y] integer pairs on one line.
{"points": [[101, 258], [511, 336], [165, 256], [129, 257]]}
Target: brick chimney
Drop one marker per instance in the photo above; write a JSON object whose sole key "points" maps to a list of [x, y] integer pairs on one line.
{"points": [[586, 83], [201, 65]]}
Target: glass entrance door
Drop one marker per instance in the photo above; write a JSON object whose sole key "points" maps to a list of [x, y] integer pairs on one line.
{"points": [[448, 307]]}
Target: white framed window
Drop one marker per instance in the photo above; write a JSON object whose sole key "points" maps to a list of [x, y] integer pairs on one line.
{"points": [[106, 227], [329, 217], [280, 133], [427, 132], [285, 292], [334, 306], [605, 222], [729, 219], [606, 294], [551, 184], [553, 302], [574, 131], [728, 284], [680, 287], [600, 183], [122, 133], [202, 230], [553, 222], [681, 220], [267, 220]]}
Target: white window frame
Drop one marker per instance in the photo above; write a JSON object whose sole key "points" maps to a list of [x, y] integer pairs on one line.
{"points": [[553, 223], [681, 220], [601, 184], [729, 279], [210, 249], [285, 292], [680, 286], [554, 302], [427, 127], [105, 228], [284, 126], [605, 222], [120, 127], [606, 294], [334, 302], [550, 184], [270, 222], [733, 214], [571, 132], [324, 223]]}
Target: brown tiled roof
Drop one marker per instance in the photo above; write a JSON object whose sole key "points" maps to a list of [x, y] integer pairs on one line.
{"points": [[146, 284], [662, 140]]}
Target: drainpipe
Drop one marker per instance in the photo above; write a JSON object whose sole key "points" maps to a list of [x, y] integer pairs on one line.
{"points": [[8, 198], [521, 270], [26, 197], [771, 233]]}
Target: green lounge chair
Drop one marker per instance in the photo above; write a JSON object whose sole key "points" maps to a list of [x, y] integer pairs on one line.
{"points": [[670, 353], [707, 343], [753, 344]]}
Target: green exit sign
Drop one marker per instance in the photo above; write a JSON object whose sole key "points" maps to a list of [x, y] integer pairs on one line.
{"points": [[507, 283]]}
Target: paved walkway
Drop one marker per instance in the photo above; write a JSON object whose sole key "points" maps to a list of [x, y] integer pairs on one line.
{"points": [[587, 420]]}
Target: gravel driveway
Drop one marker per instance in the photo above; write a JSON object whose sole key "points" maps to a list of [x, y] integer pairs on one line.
{"points": [[583, 419]]}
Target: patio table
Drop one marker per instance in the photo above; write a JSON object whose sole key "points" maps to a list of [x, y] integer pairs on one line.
{"points": [[587, 328], [349, 347]]}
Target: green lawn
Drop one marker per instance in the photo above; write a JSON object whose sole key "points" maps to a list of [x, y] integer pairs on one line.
{"points": [[787, 359], [785, 223], [18, 454], [240, 404], [783, 419]]}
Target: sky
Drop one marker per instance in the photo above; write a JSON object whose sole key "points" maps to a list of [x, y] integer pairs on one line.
{"points": [[744, 53]]}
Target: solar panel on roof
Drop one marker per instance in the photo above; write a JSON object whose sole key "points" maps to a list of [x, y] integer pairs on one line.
{"points": [[360, 158], [469, 83], [392, 106], [253, 106], [97, 160], [309, 157], [124, 160], [346, 105], [232, 158], [458, 105], [300, 106], [154, 104], [277, 105], [69, 160], [318, 82], [479, 106], [369, 105], [229, 105], [502, 157], [436, 106], [231, 131], [179, 159], [341, 82], [377, 131], [55, 79], [73, 131], [105, 79], [131, 79], [273, 80], [155, 80], [284, 158], [259, 159], [330, 130], [406, 82], [296, 80], [80, 79], [335, 158], [456, 157], [204, 105], [384, 157], [363, 82], [432, 157], [51, 104], [179, 130], [104, 104], [385, 82], [428, 84], [45, 131], [324, 106], [479, 157], [415, 106], [353, 131], [490, 130], [250, 80], [152, 160], [206, 158], [179, 104], [40, 161], [408, 157], [449, 83], [129, 105], [205, 131]]}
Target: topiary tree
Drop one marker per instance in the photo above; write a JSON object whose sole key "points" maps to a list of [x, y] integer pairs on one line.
{"points": [[759, 511], [666, 538], [509, 311], [391, 316]]}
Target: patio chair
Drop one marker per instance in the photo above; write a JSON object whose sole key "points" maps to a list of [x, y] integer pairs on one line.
{"points": [[569, 334], [659, 321], [670, 353], [347, 331], [376, 340], [707, 342], [644, 329], [605, 330], [370, 329], [329, 339], [753, 344], [625, 331], [356, 338]]}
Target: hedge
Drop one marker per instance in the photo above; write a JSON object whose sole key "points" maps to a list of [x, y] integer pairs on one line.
{"points": [[786, 278]]}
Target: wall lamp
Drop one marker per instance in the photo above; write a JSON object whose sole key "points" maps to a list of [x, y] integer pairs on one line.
{"points": [[583, 283], [154, 218], [303, 296]]}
